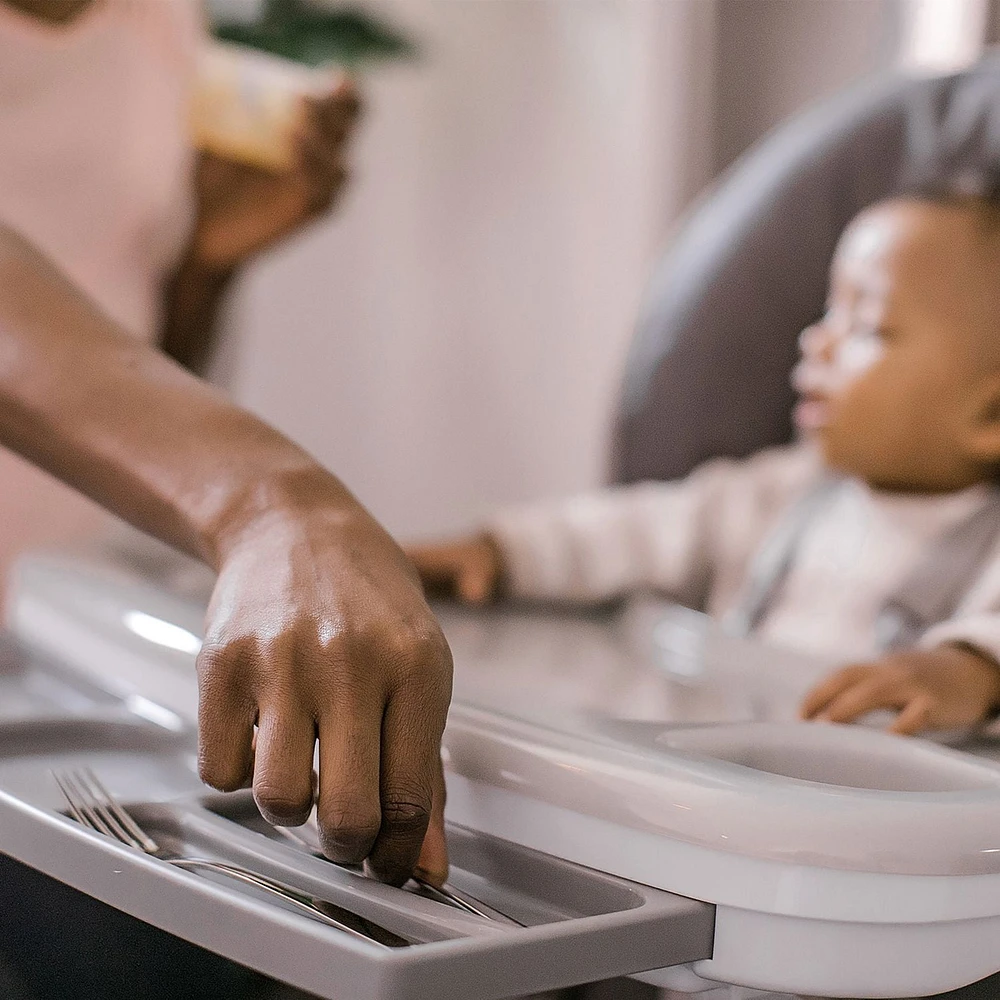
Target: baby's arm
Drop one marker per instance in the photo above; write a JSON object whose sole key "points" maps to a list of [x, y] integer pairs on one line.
{"points": [[586, 548], [951, 685], [671, 537]]}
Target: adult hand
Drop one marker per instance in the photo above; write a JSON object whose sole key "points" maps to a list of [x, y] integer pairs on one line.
{"points": [[948, 687], [318, 629], [317, 626], [471, 568], [243, 209]]}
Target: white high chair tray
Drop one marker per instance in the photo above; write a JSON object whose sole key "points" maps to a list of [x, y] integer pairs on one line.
{"points": [[572, 925], [840, 861]]}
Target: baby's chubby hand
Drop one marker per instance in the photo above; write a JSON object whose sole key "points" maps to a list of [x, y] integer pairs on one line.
{"points": [[469, 568], [947, 687]]}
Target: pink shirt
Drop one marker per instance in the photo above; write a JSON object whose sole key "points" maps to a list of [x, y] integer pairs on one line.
{"points": [[95, 170]]}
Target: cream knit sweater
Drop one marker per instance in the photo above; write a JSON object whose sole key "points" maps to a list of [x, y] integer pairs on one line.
{"points": [[693, 540]]}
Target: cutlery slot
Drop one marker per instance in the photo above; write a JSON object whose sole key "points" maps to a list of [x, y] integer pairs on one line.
{"points": [[531, 888], [371, 930], [190, 829]]}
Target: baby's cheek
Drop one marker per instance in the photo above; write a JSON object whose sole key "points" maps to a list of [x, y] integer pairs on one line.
{"points": [[862, 436], [857, 357]]}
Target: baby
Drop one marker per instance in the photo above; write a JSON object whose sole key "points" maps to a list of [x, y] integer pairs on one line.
{"points": [[875, 539]]}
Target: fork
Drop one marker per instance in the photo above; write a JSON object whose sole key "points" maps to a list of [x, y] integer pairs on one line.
{"points": [[94, 807]]}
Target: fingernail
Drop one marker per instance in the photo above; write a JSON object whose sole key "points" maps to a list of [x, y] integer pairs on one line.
{"points": [[437, 879]]}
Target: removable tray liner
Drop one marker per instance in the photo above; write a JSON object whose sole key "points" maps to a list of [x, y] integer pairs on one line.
{"points": [[582, 925]]}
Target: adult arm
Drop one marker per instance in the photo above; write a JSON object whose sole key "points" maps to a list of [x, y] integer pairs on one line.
{"points": [[317, 627]]}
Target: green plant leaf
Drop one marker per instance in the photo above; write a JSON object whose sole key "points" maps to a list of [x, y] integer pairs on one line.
{"points": [[308, 34]]}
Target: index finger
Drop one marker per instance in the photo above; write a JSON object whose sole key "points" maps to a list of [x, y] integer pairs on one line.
{"points": [[867, 696], [830, 689]]}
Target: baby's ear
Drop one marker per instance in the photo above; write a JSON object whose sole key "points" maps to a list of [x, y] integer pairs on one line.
{"points": [[982, 435]]}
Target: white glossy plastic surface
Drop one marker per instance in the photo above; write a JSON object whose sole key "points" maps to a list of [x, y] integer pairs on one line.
{"points": [[843, 862], [826, 796]]}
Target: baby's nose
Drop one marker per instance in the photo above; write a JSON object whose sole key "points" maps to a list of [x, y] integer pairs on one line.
{"points": [[816, 342]]}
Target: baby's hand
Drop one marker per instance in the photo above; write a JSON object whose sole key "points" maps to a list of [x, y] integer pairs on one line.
{"points": [[948, 687], [470, 568]]}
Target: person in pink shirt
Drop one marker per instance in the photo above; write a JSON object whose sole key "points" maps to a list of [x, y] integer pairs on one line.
{"points": [[116, 240]]}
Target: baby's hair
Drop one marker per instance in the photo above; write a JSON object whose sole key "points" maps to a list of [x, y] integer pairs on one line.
{"points": [[980, 189], [981, 183]]}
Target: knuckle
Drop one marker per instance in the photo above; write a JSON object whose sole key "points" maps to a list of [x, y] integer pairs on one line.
{"points": [[347, 833], [225, 661], [417, 658], [407, 647], [425, 651], [350, 823], [406, 811], [429, 649], [215, 654]]}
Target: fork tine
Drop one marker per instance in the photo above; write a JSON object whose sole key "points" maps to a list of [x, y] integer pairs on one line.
{"points": [[80, 806], [121, 815], [70, 800], [95, 802], [92, 806]]}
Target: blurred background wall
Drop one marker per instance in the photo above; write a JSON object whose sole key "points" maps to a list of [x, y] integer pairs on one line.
{"points": [[453, 337]]}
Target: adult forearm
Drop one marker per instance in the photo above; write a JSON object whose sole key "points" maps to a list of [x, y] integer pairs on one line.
{"points": [[127, 426]]}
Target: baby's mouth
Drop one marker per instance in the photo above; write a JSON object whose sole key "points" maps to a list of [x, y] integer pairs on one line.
{"points": [[811, 412]]}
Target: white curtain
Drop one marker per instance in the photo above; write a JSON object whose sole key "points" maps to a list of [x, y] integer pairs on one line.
{"points": [[453, 338]]}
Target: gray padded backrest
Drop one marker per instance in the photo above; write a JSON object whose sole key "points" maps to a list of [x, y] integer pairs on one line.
{"points": [[709, 367]]}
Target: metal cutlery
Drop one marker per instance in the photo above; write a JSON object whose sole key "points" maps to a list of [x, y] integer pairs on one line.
{"points": [[92, 805]]}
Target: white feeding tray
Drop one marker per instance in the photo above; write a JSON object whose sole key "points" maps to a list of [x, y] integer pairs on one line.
{"points": [[842, 861]]}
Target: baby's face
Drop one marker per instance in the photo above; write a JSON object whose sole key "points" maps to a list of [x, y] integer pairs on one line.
{"points": [[890, 376]]}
